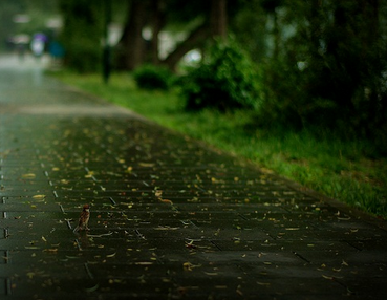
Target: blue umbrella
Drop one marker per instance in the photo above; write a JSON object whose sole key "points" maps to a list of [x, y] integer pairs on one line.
{"points": [[41, 37]]}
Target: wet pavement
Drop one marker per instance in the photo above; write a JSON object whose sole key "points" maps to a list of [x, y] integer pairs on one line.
{"points": [[170, 218]]}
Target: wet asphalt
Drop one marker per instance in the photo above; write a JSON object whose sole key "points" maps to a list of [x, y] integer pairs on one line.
{"points": [[170, 218]]}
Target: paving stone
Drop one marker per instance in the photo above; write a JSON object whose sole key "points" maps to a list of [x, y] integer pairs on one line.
{"points": [[169, 217]]}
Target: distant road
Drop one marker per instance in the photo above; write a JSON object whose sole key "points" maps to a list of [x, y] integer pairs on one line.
{"points": [[12, 60]]}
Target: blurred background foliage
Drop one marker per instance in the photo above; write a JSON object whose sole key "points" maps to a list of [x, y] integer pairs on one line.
{"points": [[38, 13], [82, 33], [331, 70], [316, 63], [226, 79], [153, 77]]}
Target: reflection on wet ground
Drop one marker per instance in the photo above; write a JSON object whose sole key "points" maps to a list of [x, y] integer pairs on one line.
{"points": [[170, 218]]}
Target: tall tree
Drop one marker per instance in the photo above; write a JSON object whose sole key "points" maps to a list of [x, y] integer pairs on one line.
{"points": [[249, 28], [271, 8], [159, 20], [132, 45], [211, 20], [215, 25], [195, 39], [331, 69], [218, 19], [82, 33]]}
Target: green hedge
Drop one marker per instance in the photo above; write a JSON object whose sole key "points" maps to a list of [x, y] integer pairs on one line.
{"points": [[153, 77], [226, 79]]}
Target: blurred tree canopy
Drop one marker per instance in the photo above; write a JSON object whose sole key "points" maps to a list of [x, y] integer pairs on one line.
{"points": [[82, 33], [321, 62], [37, 12], [328, 66], [201, 18]]}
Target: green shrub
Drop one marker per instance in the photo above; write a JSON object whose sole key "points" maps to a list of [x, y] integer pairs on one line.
{"points": [[225, 80], [153, 77]]}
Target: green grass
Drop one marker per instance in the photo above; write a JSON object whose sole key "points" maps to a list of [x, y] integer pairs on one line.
{"points": [[323, 162]]}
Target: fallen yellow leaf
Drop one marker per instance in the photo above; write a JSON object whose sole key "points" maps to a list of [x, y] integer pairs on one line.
{"points": [[29, 176], [264, 283], [51, 250]]}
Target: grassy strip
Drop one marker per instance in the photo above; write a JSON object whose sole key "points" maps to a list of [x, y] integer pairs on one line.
{"points": [[336, 168]]}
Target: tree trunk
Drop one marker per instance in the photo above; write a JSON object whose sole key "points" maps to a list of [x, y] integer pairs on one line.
{"points": [[219, 19], [216, 27], [371, 14], [132, 43], [158, 22], [277, 37], [196, 36]]}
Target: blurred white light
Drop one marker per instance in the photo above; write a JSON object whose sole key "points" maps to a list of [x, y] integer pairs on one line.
{"points": [[21, 18]]}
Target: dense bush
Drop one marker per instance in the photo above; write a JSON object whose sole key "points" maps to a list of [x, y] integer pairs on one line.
{"points": [[224, 80], [153, 77], [331, 71]]}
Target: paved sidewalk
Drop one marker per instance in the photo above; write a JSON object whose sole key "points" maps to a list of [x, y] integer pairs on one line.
{"points": [[170, 218]]}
